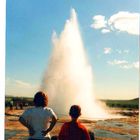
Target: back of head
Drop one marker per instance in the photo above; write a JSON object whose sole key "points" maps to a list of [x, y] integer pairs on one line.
{"points": [[40, 99], [75, 111]]}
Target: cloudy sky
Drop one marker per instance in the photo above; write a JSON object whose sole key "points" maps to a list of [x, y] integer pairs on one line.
{"points": [[110, 32]]}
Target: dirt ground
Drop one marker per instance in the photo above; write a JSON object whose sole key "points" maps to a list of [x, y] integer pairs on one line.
{"points": [[126, 128]]}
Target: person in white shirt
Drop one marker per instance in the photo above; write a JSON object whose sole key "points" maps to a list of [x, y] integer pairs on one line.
{"points": [[40, 119]]}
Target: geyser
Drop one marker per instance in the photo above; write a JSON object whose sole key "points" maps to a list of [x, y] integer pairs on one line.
{"points": [[69, 79]]}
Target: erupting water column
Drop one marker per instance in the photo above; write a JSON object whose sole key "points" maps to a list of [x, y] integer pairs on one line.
{"points": [[69, 79]]}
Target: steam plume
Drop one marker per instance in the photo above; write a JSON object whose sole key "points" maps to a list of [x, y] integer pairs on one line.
{"points": [[69, 77]]}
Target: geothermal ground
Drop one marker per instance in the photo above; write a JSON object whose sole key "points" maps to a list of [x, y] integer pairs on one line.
{"points": [[125, 128]]}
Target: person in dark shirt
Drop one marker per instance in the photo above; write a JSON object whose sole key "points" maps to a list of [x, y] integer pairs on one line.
{"points": [[74, 130]]}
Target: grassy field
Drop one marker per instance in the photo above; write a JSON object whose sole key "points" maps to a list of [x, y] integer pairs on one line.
{"points": [[127, 104]]}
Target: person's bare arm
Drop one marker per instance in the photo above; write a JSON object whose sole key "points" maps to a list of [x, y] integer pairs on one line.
{"points": [[53, 122], [24, 122]]}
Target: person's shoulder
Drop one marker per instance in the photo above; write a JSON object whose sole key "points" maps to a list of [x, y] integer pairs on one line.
{"points": [[66, 125], [29, 109], [82, 127], [48, 109]]}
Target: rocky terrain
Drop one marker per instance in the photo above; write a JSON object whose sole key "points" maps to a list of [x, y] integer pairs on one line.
{"points": [[123, 128]]}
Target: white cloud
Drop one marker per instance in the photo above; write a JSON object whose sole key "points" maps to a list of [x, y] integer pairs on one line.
{"points": [[20, 88], [125, 21], [104, 31], [122, 21], [122, 51], [136, 65], [99, 22], [107, 50], [117, 62], [23, 84], [124, 64], [126, 51], [119, 51]]}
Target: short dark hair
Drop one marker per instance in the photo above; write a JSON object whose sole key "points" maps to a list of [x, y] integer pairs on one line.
{"points": [[40, 99], [75, 111]]}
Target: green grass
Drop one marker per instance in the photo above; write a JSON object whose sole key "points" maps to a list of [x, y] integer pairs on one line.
{"points": [[129, 104]]}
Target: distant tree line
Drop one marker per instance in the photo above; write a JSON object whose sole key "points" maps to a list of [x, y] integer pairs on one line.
{"points": [[18, 100], [128, 104]]}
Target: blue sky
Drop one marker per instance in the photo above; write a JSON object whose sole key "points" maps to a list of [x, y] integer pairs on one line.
{"points": [[110, 35]]}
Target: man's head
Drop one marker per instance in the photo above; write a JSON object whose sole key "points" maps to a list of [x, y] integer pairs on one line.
{"points": [[75, 111], [40, 99]]}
